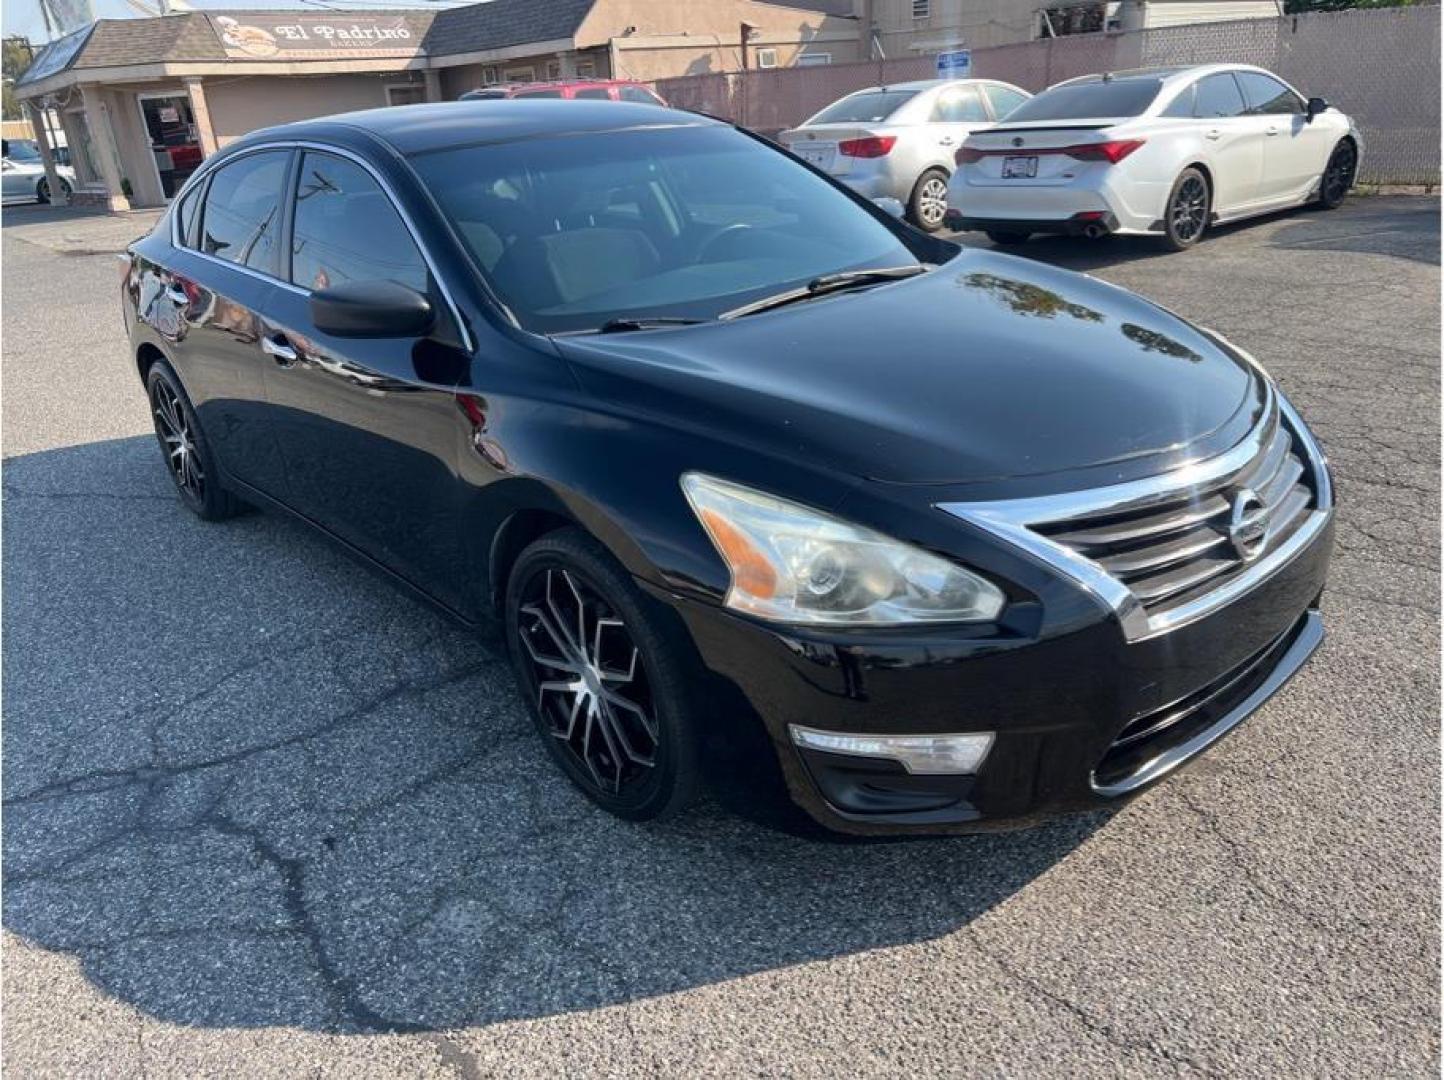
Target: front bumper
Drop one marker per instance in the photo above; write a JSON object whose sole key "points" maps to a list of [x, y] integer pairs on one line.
{"points": [[1057, 704]]}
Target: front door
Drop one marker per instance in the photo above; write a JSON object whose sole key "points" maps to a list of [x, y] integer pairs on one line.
{"points": [[370, 428], [1295, 151], [174, 142]]}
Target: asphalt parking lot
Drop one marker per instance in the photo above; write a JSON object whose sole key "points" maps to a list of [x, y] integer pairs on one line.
{"points": [[263, 814]]}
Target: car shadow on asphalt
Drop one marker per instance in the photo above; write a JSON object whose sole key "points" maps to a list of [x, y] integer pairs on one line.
{"points": [[1406, 227], [247, 784]]}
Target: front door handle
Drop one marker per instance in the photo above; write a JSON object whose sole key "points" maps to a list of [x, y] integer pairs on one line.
{"points": [[1271, 130], [1212, 133], [279, 349], [176, 295]]}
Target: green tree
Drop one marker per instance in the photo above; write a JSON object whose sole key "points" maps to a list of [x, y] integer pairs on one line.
{"points": [[1297, 7], [16, 57]]}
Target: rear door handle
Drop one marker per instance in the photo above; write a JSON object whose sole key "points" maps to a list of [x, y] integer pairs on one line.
{"points": [[278, 348]]}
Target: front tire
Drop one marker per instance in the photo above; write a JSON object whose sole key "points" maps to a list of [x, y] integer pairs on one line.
{"points": [[1338, 175], [187, 454], [603, 684], [929, 201], [1186, 215]]}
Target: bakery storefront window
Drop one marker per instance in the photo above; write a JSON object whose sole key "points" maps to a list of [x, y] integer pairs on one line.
{"points": [[174, 142]]}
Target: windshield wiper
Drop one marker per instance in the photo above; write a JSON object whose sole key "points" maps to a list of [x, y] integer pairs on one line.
{"points": [[827, 283], [624, 324]]}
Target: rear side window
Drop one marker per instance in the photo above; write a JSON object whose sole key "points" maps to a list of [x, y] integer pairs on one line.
{"points": [[637, 94], [188, 216], [346, 229], [1004, 100], [1268, 96], [959, 105], [1181, 107], [594, 93], [242, 218], [1217, 96], [870, 106], [1090, 100]]}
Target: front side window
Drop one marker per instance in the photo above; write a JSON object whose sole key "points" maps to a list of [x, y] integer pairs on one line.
{"points": [[346, 229], [869, 106], [1217, 97], [242, 217], [679, 223], [1267, 96], [1090, 100], [1004, 100], [959, 105]]}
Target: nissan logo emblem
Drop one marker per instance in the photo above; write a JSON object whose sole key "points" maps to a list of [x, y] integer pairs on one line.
{"points": [[1248, 527]]}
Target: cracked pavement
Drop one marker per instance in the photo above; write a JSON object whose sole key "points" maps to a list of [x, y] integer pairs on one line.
{"points": [[263, 812]]}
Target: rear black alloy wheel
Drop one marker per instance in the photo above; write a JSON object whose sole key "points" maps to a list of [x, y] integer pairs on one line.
{"points": [[1187, 213], [929, 202], [1338, 175], [183, 445], [601, 684]]}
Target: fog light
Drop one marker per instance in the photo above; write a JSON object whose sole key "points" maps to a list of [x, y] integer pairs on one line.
{"points": [[918, 754]]}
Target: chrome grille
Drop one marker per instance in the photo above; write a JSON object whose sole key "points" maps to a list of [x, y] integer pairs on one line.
{"points": [[1166, 550], [1167, 554]]}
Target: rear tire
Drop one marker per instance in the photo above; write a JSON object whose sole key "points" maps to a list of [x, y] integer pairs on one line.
{"points": [[1185, 218], [1008, 239], [604, 685], [187, 454], [928, 203], [1338, 175]]}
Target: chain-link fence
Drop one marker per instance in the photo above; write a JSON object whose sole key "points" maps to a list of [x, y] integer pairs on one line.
{"points": [[1381, 66]]}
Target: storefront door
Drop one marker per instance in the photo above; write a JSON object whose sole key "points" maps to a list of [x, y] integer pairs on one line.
{"points": [[174, 142]]}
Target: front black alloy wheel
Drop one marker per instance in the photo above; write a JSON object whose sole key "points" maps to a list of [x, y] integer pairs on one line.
{"points": [[603, 686], [1186, 216], [187, 454], [1338, 175]]}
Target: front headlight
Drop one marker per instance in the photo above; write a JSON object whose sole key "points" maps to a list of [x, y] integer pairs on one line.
{"points": [[793, 564]]}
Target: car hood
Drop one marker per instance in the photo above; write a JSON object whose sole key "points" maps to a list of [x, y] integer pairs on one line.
{"points": [[986, 368]]}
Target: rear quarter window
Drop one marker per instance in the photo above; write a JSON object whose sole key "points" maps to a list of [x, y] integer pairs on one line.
{"points": [[1086, 101]]}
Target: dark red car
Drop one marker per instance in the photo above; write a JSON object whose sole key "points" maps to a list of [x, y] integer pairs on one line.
{"points": [[579, 89]]}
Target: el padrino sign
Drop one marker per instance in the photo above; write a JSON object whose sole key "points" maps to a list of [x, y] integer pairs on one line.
{"points": [[292, 36]]}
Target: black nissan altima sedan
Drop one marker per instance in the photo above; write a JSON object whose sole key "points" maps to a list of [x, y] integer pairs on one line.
{"points": [[727, 453]]}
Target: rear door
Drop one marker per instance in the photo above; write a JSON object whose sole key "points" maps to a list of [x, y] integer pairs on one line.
{"points": [[1233, 139], [957, 112], [1295, 151], [206, 304], [370, 428]]}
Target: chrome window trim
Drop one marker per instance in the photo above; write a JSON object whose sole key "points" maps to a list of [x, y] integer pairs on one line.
{"points": [[340, 151], [1011, 520]]}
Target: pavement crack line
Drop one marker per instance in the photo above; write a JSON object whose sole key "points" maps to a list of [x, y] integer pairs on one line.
{"points": [[1101, 1028]]}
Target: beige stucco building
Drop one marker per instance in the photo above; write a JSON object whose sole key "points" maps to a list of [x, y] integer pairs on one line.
{"points": [[143, 101], [895, 28]]}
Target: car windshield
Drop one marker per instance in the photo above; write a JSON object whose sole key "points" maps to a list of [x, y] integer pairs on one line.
{"points": [[655, 223], [868, 107], [1085, 101]]}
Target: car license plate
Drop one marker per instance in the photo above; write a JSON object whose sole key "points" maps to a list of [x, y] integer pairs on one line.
{"points": [[820, 154], [1020, 168]]}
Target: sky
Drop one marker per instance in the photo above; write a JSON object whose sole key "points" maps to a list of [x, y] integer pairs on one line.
{"points": [[22, 17]]}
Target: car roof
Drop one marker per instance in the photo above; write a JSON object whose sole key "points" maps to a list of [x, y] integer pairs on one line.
{"points": [[1170, 74], [418, 129]]}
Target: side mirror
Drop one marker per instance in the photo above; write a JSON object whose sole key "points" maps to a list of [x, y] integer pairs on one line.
{"points": [[371, 309], [890, 206], [1316, 106]]}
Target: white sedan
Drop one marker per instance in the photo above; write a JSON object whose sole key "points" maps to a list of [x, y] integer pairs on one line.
{"points": [[23, 175], [1165, 152]]}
